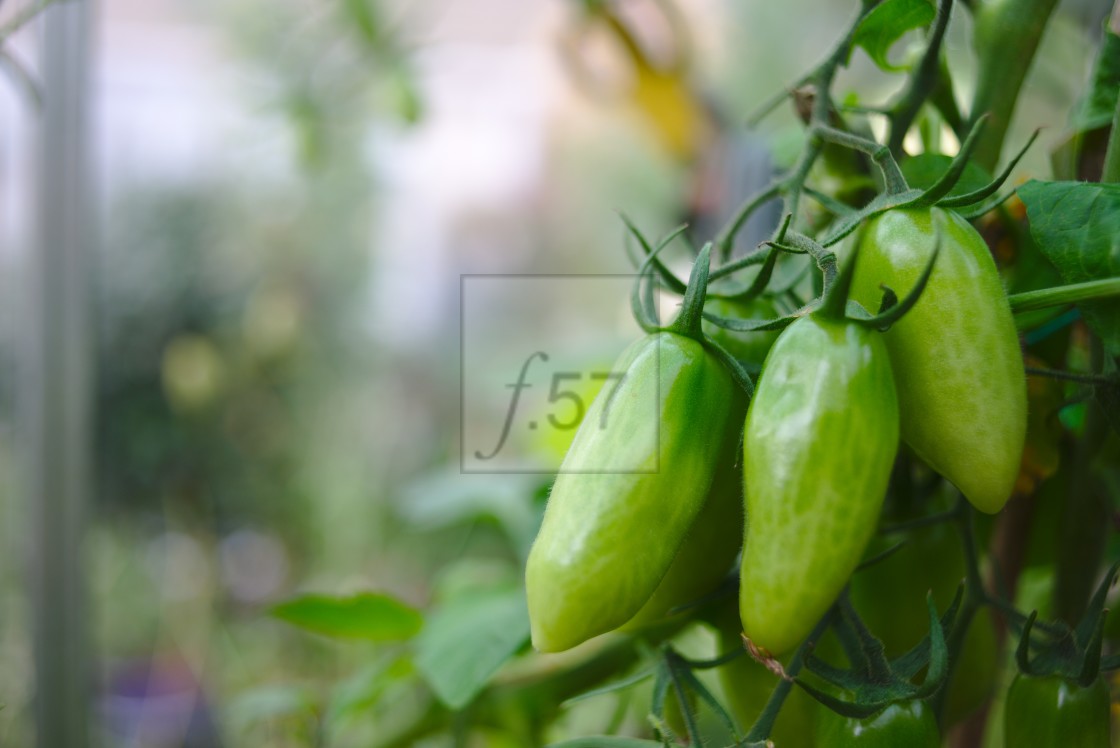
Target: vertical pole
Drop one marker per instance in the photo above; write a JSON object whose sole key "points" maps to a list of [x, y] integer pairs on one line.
{"points": [[57, 389]]}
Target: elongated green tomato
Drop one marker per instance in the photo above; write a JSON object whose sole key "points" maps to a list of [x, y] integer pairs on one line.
{"points": [[747, 686], [1052, 712], [634, 481], [961, 385], [909, 724], [821, 435], [750, 347], [709, 549]]}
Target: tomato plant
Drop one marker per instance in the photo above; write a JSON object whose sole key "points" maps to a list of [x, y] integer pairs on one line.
{"points": [[842, 403]]}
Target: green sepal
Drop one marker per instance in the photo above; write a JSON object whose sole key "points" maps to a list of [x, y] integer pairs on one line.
{"points": [[948, 180], [974, 197], [891, 313], [691, 315], [672, 282], [879, 204], [681, 670], [875, 684], [1074, 654], [641, 296]]}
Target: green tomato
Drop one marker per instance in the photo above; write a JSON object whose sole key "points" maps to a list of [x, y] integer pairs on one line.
{"points": [[961, 385], [1052, 712], [709, 549], [750, 347], [909, 724], [821, 436], [609, 538]]}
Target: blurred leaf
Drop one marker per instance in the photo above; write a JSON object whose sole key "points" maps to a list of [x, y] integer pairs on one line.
{"points": [[268, 702], [448, 497], [372, 616], [606, 741], [923, 170], [467, 640], [1077, 225], [362, 690], [1097, 107], [364, 15], [884, 25]]}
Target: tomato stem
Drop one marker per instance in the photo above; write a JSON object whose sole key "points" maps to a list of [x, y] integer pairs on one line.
{"points": [[922, 83], [1063, 295]]}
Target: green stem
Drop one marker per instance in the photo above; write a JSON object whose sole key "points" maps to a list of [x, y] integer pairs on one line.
{"points": [[764, 725], [922, 84], [1111, 172], [1083, 524], [1007, 33], [1069, 376], [1029, 301], [974, 598]]}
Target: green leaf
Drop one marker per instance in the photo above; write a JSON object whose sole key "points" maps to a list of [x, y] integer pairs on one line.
{"points": [[361, 691], [369, 615], [467, 640], [607, 741], [1095, 110], [365, 17], [884, 25], [923, 170], [1077, 227], [269, 702]]}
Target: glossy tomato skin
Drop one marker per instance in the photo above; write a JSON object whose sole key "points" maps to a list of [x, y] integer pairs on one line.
{"points": [[906, 725], [956, 357], [820, 438], [1052, 712], [609, 537], [709, 549]]}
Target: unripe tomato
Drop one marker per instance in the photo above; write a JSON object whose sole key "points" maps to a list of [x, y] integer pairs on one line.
{"points": [[709, 549], [1052, 712], [821, 436], [608, 538], [961, 385], [907, 725]]}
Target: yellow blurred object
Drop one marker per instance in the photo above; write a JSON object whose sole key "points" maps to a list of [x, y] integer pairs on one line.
{"points": [[661, 93], [192, 371]]}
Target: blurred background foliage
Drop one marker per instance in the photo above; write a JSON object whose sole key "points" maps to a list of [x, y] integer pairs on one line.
{"points": [[288, 192]]}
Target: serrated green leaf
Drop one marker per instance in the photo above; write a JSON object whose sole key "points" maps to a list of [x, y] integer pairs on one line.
{"points": [[607, 741], [1077, 227], [373, 616], [886, 24], [923, 170], [467, 640], [1096, 108]]}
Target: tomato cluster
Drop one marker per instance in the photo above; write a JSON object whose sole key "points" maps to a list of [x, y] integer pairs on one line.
{"points": [[818, 445], [795, 482]]}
